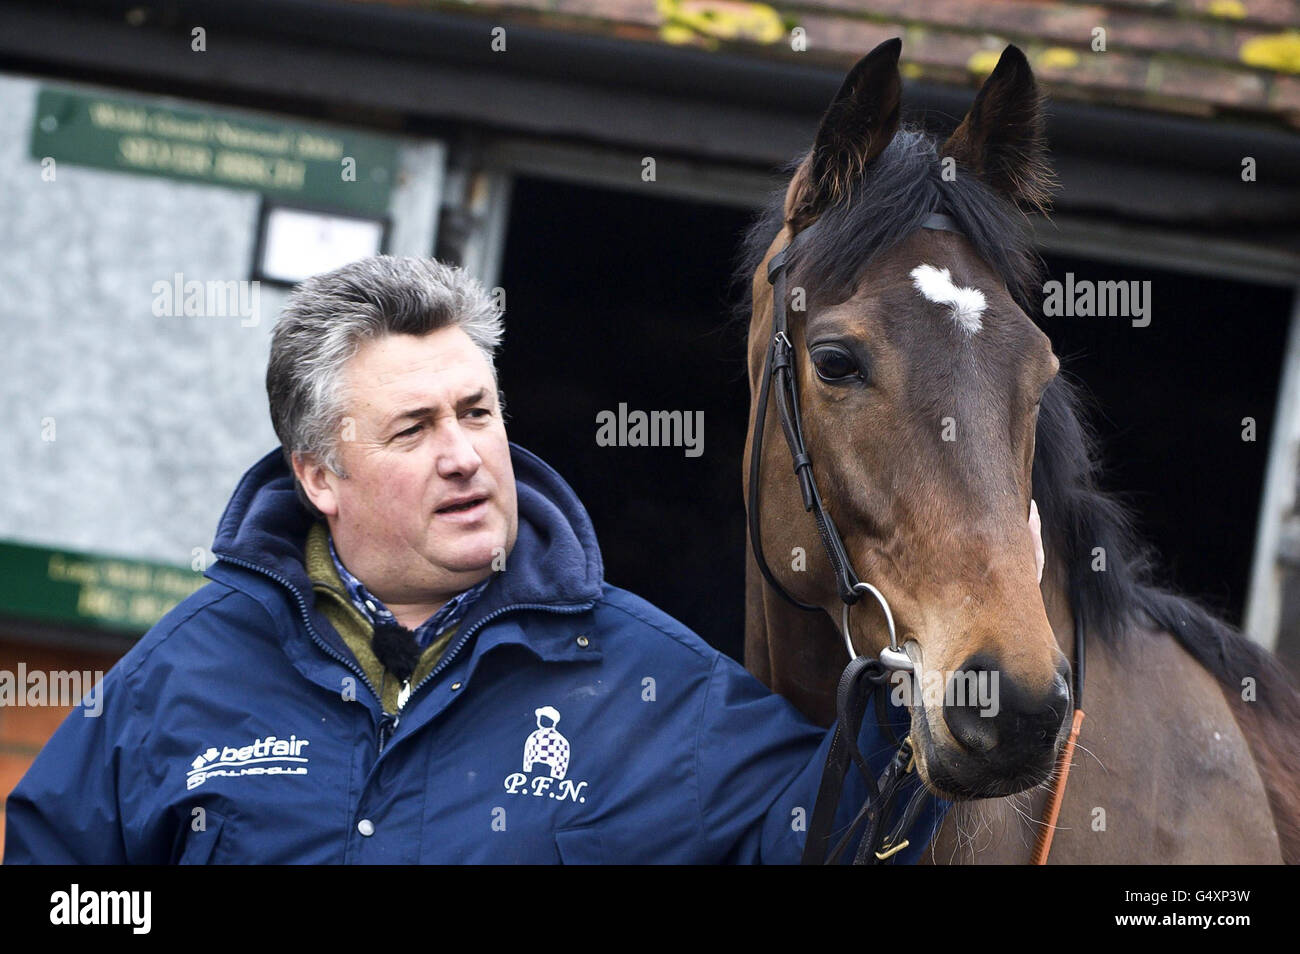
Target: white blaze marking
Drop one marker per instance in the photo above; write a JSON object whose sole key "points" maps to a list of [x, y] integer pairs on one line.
{"points": [[967, 303]]}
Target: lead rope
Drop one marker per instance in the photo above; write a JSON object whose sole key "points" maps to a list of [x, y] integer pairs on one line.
{"points": [[1043, 844]]}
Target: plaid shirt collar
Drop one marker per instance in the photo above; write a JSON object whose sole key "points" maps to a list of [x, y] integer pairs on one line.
{"points": [[372, 608]]}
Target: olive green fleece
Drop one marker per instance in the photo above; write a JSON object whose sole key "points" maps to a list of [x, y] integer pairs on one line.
{"points": [[353, 626]]}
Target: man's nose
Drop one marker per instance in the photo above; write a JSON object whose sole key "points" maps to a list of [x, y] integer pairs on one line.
{"points": [[457, 456]]}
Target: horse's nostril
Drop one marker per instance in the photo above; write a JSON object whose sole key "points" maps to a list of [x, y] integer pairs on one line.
{"points": [[970, 705], [991, 715], [974, 732]]}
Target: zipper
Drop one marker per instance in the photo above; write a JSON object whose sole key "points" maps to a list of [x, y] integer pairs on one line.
{"points": [[464, 637], [302, 606], [388, 722], [387, 726]]}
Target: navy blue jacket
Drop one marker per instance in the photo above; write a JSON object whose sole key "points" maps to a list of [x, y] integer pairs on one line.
{"points": [[567, 721]]}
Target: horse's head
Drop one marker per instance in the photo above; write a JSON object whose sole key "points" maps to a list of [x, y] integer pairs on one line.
{"points": [[919, 377]]}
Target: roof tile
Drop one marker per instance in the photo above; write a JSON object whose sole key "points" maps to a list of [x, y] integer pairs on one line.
{"points": [[1197, 56]]}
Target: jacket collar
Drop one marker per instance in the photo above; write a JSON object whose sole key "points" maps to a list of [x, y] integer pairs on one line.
{"points": [[555, 564]]}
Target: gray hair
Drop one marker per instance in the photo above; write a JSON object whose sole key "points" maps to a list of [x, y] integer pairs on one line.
{"points": [[329, 316]]}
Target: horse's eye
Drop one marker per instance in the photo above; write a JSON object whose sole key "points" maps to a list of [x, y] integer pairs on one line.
{"points": [[834, 364]]}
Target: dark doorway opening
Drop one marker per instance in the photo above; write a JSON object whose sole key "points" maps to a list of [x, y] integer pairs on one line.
{"points": [[619, 297]]}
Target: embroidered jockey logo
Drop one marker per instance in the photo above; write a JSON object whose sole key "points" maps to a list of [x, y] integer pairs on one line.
{"points": [[546, 745], [546, 759]]}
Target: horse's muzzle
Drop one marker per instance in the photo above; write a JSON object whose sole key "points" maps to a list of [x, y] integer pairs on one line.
{"points": [[1003, 743]]}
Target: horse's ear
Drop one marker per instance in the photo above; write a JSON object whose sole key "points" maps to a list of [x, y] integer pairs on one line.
{"points": [[859, 124], [1003, 138]]}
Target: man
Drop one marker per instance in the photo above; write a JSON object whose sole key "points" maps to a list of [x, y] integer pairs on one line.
{"points": [[407, 652]]}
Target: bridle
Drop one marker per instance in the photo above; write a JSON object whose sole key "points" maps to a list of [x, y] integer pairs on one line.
{"points": [[778, 376], [864, 675]]}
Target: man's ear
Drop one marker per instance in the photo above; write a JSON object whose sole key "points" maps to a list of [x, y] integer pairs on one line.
{"points": [[858, 125], [318, 482], [1003, 138]]}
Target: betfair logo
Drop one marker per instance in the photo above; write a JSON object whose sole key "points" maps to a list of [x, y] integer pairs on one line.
{"points": [[268, 756]]}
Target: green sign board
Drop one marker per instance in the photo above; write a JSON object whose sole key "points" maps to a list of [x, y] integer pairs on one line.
{"points": [[314, 165], [89, 590]]}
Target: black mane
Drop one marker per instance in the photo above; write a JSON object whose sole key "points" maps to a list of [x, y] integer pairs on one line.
{"points": [[900, 188]]}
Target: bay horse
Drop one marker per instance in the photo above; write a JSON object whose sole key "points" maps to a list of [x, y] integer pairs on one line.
{"points": [[940, 433]]}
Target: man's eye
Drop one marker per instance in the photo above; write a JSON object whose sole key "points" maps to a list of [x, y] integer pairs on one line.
{"points": [[413, 429], [833, 363], [479, 412]]}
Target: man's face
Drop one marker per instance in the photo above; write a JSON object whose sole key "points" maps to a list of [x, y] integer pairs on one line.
{"points": [[429, 501]]}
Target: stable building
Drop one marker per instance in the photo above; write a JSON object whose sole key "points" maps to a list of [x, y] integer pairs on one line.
{"points": [[175, 167]]}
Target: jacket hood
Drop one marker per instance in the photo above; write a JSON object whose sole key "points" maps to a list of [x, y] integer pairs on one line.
{"points": [[555, 561]]}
